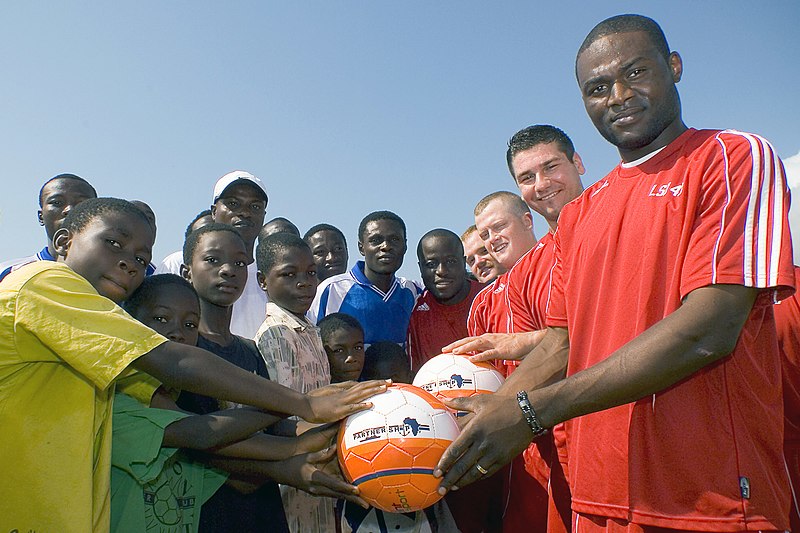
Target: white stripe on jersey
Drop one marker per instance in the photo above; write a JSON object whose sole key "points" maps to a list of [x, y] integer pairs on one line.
{"points": [[781, 199], [763, 228], [724, 216]]}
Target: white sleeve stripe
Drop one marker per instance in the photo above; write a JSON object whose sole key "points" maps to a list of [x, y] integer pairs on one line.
{"points": [[763, 246], [763, 227], [724, 215], [778, 209], [772, 199]]}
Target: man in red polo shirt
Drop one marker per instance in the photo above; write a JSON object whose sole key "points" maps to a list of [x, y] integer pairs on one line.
{"points": [[660, 314], [504, 224], [440, 314], [440, 317], [787, 321], [547, 170]]}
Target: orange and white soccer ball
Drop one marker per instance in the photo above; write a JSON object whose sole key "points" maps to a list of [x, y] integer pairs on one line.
{"points": [[390, 450], [454, 376]]}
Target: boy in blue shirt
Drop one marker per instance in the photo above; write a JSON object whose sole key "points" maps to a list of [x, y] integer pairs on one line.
{"points": [[370, 292]]}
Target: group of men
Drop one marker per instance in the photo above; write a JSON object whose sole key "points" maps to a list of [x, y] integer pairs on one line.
{"points": [[646, 377]]}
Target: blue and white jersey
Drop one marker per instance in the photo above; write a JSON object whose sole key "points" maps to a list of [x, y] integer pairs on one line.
{"points": [[384, 316], [8, 266]]}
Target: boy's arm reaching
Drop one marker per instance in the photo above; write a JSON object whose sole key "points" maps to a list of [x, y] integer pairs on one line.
{"points": [[204, 432], [196, 370], [306, 472], [230, 433]]}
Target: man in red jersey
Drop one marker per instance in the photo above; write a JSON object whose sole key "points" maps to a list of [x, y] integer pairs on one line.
{"points": [[787, 321], [481, 263], [547, 169], [440, 314], [440, 317], [504, 224], [660, 315]]}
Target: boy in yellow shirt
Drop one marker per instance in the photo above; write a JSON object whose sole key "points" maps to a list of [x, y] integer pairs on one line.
{"points": [[63, 343]]}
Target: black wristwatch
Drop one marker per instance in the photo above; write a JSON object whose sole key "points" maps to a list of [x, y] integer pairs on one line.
{"points": [[530, 415]]}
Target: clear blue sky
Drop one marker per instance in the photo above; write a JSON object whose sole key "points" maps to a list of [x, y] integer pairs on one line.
{"points": [[342, 108]]}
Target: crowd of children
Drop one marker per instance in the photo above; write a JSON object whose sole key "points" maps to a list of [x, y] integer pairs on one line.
{"points": [[164, 431]]}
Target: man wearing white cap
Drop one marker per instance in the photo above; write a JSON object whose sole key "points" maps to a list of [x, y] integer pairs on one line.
{"points": [[240, 200]]}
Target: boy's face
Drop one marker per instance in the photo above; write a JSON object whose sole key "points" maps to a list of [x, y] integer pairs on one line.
{"points": [[241, 205], [173, 312], [330, 253], [391, 369], [345, 349], [112, 252], [383, 246], [218, 269], [291, 283], [58, 198]]}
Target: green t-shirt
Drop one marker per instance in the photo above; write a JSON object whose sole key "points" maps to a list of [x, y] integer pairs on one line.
{"points": [[154, 488]]}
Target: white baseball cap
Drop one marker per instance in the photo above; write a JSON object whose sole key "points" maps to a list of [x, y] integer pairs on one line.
{"points": [[237, 175]]}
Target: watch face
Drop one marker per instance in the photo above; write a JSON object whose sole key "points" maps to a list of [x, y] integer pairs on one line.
{"points": [[171, 502]]}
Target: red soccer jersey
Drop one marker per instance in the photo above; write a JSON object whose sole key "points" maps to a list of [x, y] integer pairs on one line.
{"points": [[705, 453], [528, 289], [433, 325], [787, 321], [489, 310], [529, 286]]}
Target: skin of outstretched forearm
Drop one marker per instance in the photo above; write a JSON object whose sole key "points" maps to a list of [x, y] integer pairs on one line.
{"points": [[544, 365], [260, 448], [204, 432], [195, 370]]}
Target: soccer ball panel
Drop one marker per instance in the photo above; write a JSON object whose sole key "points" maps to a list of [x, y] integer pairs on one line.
{"points": [[391, 450]]}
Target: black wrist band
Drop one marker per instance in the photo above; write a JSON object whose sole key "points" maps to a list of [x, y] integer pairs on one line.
{"points": [[530, 414]]}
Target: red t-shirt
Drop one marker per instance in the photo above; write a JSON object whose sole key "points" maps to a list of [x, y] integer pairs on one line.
{"points": [[705, 453], [433, 325], [528, 289], [529, 286], [489, 310], [787, 321]]}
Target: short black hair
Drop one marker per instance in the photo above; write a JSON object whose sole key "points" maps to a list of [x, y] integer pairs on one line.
{"points": [[379, 215], [288, 227], [527, 138], [88, 210], [64, 177], [337, 321], [625, 24], [190, 244], [381, 354], [150, 287], [198, 216], [313, 230], [439, 233], [268, 250]]}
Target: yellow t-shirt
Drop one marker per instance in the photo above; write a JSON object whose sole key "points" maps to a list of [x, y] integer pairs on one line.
{"points": [[62, 345]]}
